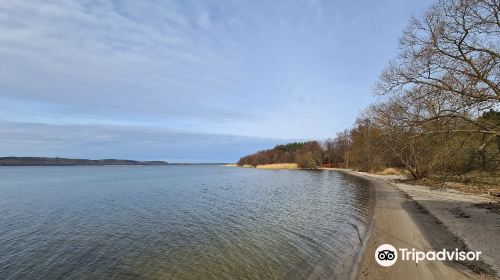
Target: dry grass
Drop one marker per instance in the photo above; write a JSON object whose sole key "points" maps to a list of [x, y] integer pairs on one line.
{"points": [[492, 189], [278, 166], [474, 182], [392, 171]]}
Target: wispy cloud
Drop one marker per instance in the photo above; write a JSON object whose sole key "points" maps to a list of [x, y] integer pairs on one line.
{"points": [[284, 69], [131, 56], [132, 142]]}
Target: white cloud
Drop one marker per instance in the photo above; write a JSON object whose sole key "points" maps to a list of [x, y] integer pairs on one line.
{"points": [[213, 66], [130, 142], [109, 57]]}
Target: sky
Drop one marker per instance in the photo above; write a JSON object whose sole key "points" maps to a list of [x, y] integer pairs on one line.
{"points": [[188, 81]]}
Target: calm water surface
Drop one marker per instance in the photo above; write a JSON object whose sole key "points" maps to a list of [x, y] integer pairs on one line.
{"points": [[179, 222]]}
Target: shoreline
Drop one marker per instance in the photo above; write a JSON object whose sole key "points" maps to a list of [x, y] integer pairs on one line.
{"points": [[400, 219]]}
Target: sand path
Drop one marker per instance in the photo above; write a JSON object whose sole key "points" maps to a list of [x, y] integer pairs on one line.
{"points": [[395, 222]]}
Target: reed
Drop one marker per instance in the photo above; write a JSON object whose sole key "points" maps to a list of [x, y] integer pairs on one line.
{"points": [[278, 166]]}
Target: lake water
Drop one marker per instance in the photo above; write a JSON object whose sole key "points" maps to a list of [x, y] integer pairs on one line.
{"points": [[179, 222]]}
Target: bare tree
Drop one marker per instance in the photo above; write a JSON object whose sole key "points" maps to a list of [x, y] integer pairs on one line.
{"points": [[445, 77], [452, 51]]}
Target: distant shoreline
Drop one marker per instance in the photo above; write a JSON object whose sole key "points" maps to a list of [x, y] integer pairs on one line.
{"points": [[56, 161], [269, 166]]}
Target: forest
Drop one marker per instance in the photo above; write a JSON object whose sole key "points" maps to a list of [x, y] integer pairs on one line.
{"points": [[438, 112], [305, 154]]}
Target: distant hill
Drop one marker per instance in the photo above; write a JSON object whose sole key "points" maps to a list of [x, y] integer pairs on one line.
{"points": [[46, 161]]}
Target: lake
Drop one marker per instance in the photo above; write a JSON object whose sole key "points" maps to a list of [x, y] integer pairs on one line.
{"points": [[180, 222]]}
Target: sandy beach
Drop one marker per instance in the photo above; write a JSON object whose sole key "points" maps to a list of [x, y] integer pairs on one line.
{"points": [[417, 217]]}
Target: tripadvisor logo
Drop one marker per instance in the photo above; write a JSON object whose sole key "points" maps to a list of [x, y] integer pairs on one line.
{"points": [[387, 255]]}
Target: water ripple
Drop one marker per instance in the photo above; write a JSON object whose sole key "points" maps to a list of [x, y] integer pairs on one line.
{"points": [[179, 222]]}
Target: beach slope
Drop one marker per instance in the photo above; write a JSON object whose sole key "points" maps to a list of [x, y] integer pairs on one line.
{"points": [[403, 223]]}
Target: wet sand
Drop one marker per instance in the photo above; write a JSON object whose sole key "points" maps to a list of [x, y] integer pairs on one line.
{"points": [[402, 218]]}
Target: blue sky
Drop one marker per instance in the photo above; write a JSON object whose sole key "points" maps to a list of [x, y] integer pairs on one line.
{"points": [[194, 81]]}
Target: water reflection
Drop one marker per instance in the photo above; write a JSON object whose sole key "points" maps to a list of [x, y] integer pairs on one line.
{"points": [[179, 222]]}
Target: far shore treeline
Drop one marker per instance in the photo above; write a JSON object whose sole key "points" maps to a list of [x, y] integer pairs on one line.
{"points": [[304, 154], [440, 109]]}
